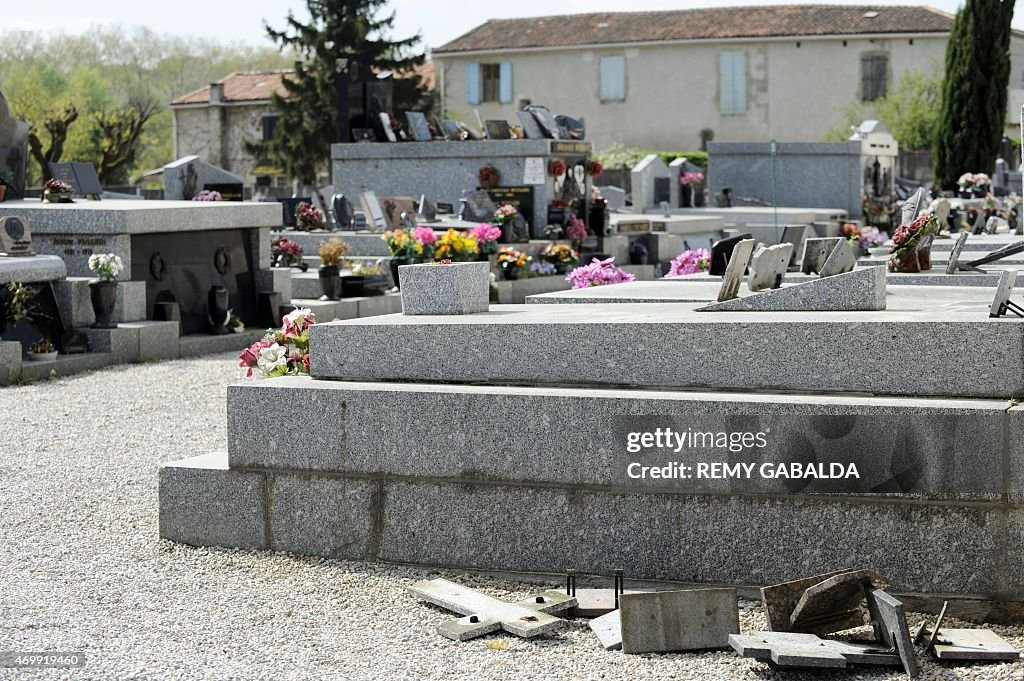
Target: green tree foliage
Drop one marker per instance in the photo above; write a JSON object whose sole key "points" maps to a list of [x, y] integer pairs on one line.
{"points": [[974, 97], [910, 111], [342, 39], [119, 82]]}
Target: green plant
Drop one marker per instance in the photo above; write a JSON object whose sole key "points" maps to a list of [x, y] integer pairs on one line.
{"points": [[974, 95], [617, 156], [20, 306], [332, 252]]}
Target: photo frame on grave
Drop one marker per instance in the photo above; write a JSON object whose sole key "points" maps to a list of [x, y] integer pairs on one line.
{"points": [[362, 135], [15, 237], [531, 129], [498, 130], [394, 206], [372, 209], [418, 127]]}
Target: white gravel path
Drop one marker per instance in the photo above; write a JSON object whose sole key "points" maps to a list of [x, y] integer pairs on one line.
{"points": [[82, 569]]}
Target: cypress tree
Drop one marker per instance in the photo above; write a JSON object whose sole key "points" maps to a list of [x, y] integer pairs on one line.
{"points": [[343, 39], [974, 95]]}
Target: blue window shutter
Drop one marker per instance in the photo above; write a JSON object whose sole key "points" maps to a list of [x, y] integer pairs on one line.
{"points": [[473, 82], [739, 82], [505, 83], [725, 78], [613, 79]]}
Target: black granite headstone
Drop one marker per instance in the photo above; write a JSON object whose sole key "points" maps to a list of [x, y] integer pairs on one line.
{"points": [[721, 252]]}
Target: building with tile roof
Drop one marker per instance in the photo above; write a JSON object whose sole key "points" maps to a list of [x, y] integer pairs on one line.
{"points": [[658, 79]]}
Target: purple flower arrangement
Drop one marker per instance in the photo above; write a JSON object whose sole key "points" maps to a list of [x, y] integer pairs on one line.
{"points": [[598, 273], [690, 262]]}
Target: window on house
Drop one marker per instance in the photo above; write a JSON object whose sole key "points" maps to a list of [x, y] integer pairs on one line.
{"points": [[732, 80], [873, 77], [269, 124], [613, 79], [489, 82]]}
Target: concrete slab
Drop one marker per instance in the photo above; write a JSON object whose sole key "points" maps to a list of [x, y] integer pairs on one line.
{"points": [[32, 269], [863, 290], [204, 504], [322, 516], [672, 621], [608, 629], [550, 344]]}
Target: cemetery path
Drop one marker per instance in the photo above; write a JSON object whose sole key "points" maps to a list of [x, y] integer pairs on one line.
{"points": [[82, 568]]}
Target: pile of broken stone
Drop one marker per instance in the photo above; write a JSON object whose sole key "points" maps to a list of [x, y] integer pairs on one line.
{"points": [[804, 617]]}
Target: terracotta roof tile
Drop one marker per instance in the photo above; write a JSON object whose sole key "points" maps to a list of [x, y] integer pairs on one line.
{"points": [[257, 86], [696, 24]]}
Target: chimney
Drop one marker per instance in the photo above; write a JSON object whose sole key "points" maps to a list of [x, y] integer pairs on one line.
{"points": [[216, 93]]}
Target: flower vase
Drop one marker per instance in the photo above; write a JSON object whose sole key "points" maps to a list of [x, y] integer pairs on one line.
{"points": [[916, 259], [637, 258], [217, 300], [512, 273], [329, 276], [685, 196], [698, 197], [103, 295], [394, 264]]}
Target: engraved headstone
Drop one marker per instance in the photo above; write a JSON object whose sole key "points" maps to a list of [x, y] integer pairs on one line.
{"points": [[768, 267], [81, 176], [816, 252], [839, 261], [417, 121], [15, 237], [186, 177], [477, 206], [498, 130], [735, 270], [545, 120]]}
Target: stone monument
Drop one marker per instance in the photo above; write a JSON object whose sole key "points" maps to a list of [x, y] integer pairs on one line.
{"points": [[13, 150], [189, 175]]}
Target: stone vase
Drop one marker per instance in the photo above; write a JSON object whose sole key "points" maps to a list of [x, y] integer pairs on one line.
{"points": [[103, 295], [685, 196], [329, 276], [698, 197], [512, 273], [217, 307]]}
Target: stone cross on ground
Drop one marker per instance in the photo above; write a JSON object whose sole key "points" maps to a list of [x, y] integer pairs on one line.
{"points": [[483, 614]]}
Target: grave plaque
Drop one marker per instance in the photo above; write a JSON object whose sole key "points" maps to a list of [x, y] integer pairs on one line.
{"points": [[385, 124], [520, 198], [394, 207], [477, 206], [735, 269], [418, 126], [817, 252], [545, 120], [371, 208], [498, 130], [81, 176], [15, 237], [793, 234], [530, 126], [228, 191], [954, 257], [768, 267]]}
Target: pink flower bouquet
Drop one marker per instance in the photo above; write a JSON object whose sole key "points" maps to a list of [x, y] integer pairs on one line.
{"points": [[598, 273], [281, 352]]}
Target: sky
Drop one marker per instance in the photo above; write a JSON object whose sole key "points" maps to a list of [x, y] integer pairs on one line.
{"points": [[242, 20]]}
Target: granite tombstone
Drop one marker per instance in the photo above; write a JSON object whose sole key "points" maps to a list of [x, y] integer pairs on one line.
{"points": [[186, 177], [13, 150], [529, 125], [418, 127]]}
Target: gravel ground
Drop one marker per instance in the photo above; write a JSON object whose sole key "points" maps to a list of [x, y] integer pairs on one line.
{"points": [[82, 569]]}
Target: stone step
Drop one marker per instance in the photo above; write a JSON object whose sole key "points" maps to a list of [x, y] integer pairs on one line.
{"points": [[515, 434], [480, 524], [909, 349]]}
